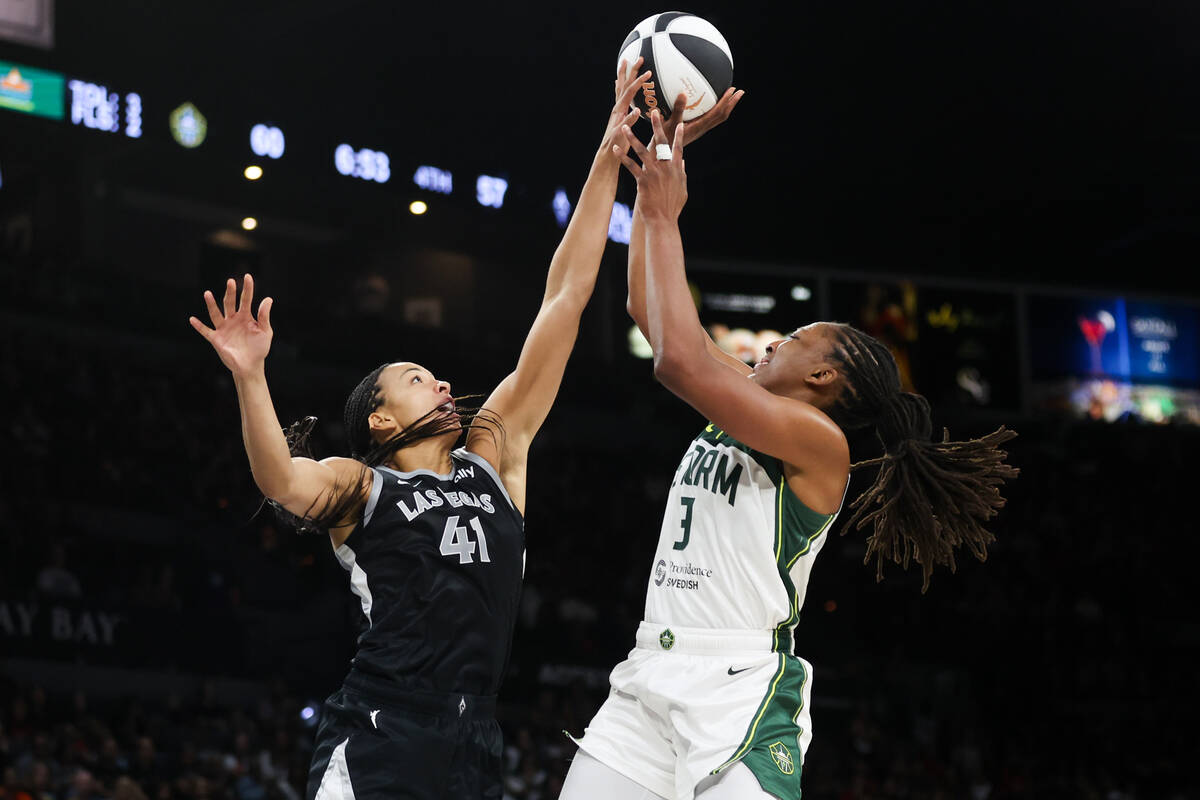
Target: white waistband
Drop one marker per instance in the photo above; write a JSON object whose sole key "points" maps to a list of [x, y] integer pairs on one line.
{"points": [[676, 639]]}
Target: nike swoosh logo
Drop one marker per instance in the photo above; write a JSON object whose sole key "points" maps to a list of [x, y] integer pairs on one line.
{"points": [[733, 671], [693, 105]]}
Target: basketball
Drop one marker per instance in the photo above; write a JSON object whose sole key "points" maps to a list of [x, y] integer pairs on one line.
{"points": [[685, 54]]}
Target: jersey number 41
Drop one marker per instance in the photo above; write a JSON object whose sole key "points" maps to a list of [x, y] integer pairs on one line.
{"points": [[456, 541]]}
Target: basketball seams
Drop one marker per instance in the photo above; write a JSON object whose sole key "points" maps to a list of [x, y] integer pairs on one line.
{"points": [[695, 61], [691, 25], [675, 63]]}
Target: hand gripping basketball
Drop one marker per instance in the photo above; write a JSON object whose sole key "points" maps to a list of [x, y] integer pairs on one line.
{"points": [[626, 85], [706, 121]]}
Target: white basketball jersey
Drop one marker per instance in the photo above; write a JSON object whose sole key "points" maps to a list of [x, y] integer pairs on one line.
{"points": [[736, 546]]}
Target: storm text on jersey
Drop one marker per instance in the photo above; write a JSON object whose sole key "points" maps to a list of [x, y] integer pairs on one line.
{"points": [[708, 467]]}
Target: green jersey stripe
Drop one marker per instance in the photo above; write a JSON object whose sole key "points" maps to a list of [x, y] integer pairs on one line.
{"points": [[813, 538], [762, 709], [788, 586]]}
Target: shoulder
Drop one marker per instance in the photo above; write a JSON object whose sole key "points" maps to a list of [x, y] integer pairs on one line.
{"points": [[348, 470], [820, 482], [488, 471]]}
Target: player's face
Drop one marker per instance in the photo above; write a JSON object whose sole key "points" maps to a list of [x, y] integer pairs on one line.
{"points": [[789, 362], [411, 393]]}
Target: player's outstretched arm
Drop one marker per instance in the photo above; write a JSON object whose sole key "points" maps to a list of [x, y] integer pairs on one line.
{"points": [[523, 399], [788, 429], [242, 342], [636, 303]]}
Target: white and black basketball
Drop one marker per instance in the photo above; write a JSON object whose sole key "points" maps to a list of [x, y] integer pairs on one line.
{"points": [[686, 54]]}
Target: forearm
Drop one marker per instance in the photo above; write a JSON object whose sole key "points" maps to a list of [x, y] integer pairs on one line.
{"points": [[266, 446], [576, 262], [674, 329], [636, 302]]}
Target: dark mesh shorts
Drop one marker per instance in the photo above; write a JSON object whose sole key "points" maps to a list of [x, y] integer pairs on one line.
{"points": [[378, 741]]}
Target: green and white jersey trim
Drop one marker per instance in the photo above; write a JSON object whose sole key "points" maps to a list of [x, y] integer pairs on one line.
{"points": [[736, 546], [780, 731]]}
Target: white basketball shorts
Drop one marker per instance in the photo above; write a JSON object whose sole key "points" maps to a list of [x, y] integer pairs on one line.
{"points": [[690, 702]]}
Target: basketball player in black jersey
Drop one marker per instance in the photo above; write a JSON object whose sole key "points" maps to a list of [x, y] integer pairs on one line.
{"points": [[431, 536]]}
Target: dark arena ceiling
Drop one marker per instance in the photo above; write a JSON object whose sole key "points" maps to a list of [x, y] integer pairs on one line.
{"points": [[1018, 141]]}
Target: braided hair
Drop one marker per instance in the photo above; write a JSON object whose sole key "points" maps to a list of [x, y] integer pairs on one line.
{"points": [[343, 501], [928, 498]]}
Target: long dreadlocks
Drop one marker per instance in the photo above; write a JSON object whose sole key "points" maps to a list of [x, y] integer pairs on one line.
{"points": [[343, 501], [929, 498]]}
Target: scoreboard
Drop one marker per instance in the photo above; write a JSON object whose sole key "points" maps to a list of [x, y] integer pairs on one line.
{"points": [[126, 111]]}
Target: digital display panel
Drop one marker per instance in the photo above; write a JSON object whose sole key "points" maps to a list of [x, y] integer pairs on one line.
{"points": [[562, 207], [1111, 358], [620, 224], [434, 180], [490, 191], [745, 312], [267, 141], [366, 164], [1115, 338], [957, 347], [31, 91], [95, 106], [1163, 343]]}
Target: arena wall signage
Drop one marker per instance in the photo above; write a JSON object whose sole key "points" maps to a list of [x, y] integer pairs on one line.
{"points": [[39, 626], [31, 91]]}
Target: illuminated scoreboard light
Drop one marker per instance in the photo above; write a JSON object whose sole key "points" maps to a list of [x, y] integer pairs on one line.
{"points": [[267, 141], [433, 179], [490, 190], [369, 165], [620, 224], [562, 207], [94, 106], [133, 115]]}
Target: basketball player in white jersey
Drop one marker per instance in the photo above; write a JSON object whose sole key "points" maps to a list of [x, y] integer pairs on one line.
{"points": [[711, 702]]}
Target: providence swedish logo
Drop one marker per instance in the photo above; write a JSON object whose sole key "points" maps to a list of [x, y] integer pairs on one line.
{"points": [[782, 757]]}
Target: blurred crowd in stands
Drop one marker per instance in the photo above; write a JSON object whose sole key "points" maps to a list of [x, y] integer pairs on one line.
{"points": [[1058, 668]]}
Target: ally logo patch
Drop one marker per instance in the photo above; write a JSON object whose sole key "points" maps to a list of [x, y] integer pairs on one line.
{"points": [[782, 757]]}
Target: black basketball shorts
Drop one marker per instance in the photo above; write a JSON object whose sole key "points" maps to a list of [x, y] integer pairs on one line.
{"points": [[377, 740]]}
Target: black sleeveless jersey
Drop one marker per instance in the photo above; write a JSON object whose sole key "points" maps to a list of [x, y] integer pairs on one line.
{"points": [[437, 563]]}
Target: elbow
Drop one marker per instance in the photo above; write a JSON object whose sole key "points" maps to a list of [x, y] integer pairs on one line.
{"points": [[571, 299], [670, 367], [274, 487], [638, 315], [274, 491]]}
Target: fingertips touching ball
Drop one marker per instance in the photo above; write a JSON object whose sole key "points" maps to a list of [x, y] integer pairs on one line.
{"points": [[686, 55]]}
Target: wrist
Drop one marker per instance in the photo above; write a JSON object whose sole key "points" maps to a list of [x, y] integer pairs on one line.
{"points": [[659, 218], [605, 157], [254, 374]]}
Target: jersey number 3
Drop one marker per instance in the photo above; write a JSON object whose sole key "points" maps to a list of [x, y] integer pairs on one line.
{"points": [[686, 524], [456, 541]]}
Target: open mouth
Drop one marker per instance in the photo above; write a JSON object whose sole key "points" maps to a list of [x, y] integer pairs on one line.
{"points": [[447, 408]]}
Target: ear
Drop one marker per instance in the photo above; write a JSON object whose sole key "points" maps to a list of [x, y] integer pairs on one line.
{"points": [[380, 422], [821, 377]]}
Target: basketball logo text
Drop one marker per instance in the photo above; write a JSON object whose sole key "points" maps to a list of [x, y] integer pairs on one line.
{"points": [[649, 96]]}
